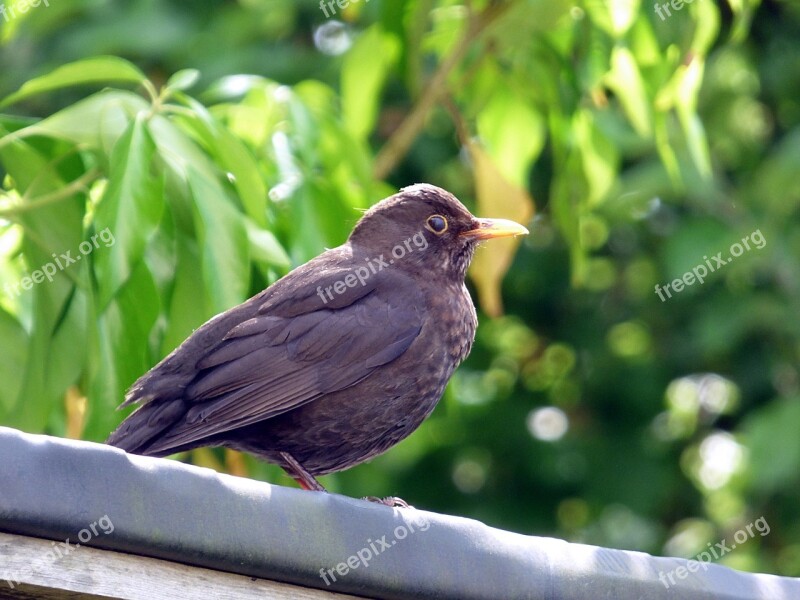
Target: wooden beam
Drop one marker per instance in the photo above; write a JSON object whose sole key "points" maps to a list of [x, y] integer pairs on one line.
{"points": [[91, 574]]}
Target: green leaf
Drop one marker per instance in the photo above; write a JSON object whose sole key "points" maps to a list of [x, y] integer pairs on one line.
{"points": [[183, 79], [65, 360], [96, 121], [613, 16], [13, 358], [599, 157], [101, 69], [770, 434], [364, 71], [256, 116], [686, 107], [235, 158], [687, 247], [665, 150], [513, 134], [568, 196], [231, 88], [179, 151], [54, 363], [707, 24], [105, 390], [265, 247], [326, 220], [129, 211], [743, 12], [123, 335], [644, 43], [627, 83], [188, 308], [50, 231], [223, 239]]}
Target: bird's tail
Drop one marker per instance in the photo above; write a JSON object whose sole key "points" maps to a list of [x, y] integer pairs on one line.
{"points": [[138, 432]]}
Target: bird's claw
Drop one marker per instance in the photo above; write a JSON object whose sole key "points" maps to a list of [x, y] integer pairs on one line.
{"points": [[391, 501]]}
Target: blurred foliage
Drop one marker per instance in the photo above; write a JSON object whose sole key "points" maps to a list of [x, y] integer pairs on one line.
{"points": [[185, 155]]}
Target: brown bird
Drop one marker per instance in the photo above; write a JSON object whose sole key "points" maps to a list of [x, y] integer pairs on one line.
{"points": [[337, 361]]}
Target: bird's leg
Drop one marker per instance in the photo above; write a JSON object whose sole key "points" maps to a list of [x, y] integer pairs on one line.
{"points": [[307, 481], [300, 475]]}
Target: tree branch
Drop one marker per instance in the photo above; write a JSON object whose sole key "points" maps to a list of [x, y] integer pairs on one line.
{"points": [[398, 144], [58, 195]]}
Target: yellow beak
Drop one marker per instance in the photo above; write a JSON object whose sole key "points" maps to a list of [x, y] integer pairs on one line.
{"points": [[494, 228]]}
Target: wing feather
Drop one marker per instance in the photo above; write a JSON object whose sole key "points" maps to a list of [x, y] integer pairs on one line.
{"points": [[269, 365]]}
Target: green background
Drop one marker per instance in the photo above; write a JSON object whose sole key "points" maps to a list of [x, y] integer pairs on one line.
{"points": [[222, 143]]}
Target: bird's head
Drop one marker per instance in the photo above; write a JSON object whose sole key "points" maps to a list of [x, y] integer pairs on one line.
{"points": [[423, 226]]}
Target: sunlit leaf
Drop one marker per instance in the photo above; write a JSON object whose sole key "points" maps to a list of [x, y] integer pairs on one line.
{"points": [[234, 158], [599, 157], [614, 16], [264, 246], [365, 68], [686, 105], [100, 69], [57, 308], [626, 82], [665, 150], [707, 26], [513, 134], [223, 239], [188, 307], [96, 121], [183, 80], [498, 198], [129, 211]]}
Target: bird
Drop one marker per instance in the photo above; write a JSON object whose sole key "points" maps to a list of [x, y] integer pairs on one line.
{"points": [[335, 362]]}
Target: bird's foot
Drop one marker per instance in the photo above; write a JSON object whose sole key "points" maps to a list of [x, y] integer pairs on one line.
{"points": [[308, 482], [391, 501]]}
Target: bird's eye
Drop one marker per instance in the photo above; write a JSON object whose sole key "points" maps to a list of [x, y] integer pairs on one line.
{"points": [[437, 224]]}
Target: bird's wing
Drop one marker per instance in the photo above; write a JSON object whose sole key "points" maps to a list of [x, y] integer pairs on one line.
{"points": [[295, 294], [270, 364]]}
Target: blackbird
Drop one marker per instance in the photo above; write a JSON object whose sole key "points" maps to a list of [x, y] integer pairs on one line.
{"points": [[335, 362]]}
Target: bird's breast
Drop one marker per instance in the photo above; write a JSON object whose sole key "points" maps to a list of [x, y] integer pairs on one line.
{"points": [[451, 324]]}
